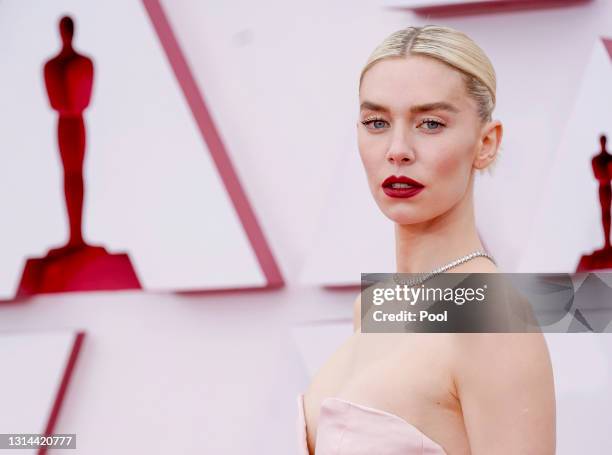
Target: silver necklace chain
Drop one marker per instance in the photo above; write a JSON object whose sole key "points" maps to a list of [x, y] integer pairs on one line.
{"points": [[425, 276]]}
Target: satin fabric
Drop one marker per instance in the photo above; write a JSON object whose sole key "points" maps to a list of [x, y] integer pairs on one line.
{"points": [[347, 428]]}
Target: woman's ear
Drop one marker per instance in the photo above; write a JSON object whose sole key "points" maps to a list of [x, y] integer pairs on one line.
{"points": [[490, 141]]}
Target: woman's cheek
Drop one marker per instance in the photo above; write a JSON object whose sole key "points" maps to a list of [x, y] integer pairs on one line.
{"points": [[366, 152], [446, 169], [371, 162], [451, 173]]}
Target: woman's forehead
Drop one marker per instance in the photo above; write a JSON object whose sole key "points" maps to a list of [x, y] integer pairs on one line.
{"points": [[414, 80]]}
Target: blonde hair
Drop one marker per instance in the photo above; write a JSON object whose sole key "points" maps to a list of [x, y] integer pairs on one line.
{"points": [[449, 46]]}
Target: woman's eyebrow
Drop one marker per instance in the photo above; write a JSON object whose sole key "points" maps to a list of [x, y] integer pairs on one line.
{"points": [[373, 107], [419, 108], [440, 105]]}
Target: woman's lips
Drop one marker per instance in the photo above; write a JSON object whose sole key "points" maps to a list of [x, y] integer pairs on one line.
{"points": [[404, 186], [402, 192]]}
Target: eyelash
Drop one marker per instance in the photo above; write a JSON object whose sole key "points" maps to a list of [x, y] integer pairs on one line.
{"points": [[367, 121]]}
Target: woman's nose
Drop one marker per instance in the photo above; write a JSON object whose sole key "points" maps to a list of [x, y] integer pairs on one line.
{"points": [[400, 150]]}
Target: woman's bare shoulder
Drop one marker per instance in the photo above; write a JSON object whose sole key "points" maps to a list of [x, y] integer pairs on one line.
{"points": [[477, 265], [490, 344], [505, 384], [357, 313]]}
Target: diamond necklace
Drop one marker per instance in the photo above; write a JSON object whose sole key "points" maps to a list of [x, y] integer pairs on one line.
{"points": [[450, 265]]}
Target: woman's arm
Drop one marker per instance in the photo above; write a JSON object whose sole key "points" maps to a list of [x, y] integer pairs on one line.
{"points": [[505, 385]]}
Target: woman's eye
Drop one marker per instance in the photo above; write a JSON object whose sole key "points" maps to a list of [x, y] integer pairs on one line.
{"points": [[432, 125], [377, 124]]}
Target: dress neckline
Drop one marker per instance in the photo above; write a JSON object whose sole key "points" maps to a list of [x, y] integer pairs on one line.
{"points": [[326, 402]]}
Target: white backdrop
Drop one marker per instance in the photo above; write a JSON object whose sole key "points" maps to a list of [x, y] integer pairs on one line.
{"points": [[222, 371], [568, 218], [35, 363]]}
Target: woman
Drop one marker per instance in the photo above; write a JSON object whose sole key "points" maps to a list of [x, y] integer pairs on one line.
{"points": [[426, 98]]}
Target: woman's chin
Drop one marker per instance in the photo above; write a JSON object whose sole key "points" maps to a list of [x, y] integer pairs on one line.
{"points": [[404, 216]]}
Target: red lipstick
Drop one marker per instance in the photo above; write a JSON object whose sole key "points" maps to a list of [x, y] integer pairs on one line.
{"points": [[401, 186]]}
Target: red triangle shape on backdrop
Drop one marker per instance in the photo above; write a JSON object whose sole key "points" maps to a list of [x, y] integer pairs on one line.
{"points": [[608, 44]]}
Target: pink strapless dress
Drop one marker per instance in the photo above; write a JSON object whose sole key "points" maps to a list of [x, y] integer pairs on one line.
{"points": [[347, 428]]}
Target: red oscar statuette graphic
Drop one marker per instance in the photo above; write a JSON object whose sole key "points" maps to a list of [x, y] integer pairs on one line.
{"points": [[75, 266], [602, 168]]}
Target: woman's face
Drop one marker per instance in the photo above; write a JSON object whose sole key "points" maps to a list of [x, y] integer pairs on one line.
{"points": [[417, 120]]}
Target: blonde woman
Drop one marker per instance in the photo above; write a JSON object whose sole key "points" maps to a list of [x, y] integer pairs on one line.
{"points": [[425, 127]]}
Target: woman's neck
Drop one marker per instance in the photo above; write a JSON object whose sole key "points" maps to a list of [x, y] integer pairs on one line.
{"points": [[426, 246]]}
